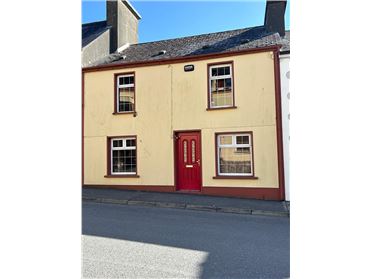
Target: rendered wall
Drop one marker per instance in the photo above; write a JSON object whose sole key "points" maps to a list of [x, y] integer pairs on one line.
{"points": [[96, 50], [169, 99], [284, 81], [127, 26]]}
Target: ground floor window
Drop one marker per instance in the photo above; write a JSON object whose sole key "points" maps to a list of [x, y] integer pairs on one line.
{"points": [[123, 156], [234, 154]]}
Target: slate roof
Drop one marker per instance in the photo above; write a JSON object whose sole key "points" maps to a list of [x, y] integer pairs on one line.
{"points": [[91, 31], [220, 42]]}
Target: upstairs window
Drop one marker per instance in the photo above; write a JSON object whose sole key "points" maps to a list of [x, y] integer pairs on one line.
{"points": [[221, 93], [124, 95]]}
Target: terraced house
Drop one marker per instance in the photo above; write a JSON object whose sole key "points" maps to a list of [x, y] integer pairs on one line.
{"points": [[198, 114]]}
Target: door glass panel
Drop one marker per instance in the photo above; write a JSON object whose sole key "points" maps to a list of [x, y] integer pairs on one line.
{"points": [[185, 151], [193, 151]]}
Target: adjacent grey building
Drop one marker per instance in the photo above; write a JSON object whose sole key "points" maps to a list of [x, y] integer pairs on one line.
{"points": [[119, 30]]}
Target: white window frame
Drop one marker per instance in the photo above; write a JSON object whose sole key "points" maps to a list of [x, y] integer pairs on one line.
{"points": [[124, 147], [118, 87], [220, 77], [234, 145]]}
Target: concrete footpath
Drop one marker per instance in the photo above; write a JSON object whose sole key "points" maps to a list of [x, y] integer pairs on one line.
{"points": [[187, 202]]}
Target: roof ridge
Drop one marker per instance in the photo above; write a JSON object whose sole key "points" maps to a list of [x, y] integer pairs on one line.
{"points": [[94, 22]]}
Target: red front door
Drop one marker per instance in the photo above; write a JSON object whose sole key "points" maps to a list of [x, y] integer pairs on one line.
{"points": [[188, 161]]}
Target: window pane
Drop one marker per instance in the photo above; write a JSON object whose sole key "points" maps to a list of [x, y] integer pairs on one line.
{"points": [[117, 143], [221, 98], [118, 161], [228, 84], [221, 92], [130, 161], [225, 139], [221, 71], [214, 85], [242, 139], [220, 84], [232, 162], [124, 161], [242, 150], [131, 142], [126, 80], [126, 99]]}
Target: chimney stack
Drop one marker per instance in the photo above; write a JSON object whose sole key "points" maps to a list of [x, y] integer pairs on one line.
{"points": [[274, 16], [123, 19]]}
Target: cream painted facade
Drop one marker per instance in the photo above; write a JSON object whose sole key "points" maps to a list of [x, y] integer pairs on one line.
{"points": [[169, 99]]}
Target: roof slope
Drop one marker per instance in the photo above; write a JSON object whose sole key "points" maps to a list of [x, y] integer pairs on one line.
{"points": [[91, 31], [220, 42]]}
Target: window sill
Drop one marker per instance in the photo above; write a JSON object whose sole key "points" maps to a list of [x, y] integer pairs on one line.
{"points": [[122, 176], [233, 107], [234, 177], [124, 112]]}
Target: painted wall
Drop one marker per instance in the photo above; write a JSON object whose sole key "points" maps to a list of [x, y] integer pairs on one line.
{"points": [[168, 99], [124, 24], [96, 50], [284, 81], [127, 26]]}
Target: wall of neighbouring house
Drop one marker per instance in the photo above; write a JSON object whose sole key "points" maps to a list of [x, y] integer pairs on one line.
{"points": [[96, 49], [169, 99], [127, 26], [284, 80]]}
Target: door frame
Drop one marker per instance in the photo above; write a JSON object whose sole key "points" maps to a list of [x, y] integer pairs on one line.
{"points": [[175, 158]]}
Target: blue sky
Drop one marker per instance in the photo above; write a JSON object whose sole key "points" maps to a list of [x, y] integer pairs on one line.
{"points": [[172, 19]]}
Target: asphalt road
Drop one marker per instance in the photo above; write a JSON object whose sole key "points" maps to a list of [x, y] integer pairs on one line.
{"points": [[121, 241]]}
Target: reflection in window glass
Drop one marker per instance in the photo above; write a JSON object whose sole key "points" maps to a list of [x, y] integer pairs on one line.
{"points": [[225, 139], [232, 162], [126, 99], [242, 139]]}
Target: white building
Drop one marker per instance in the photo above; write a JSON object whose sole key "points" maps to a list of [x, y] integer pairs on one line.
{"points": [[285, 96]]}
